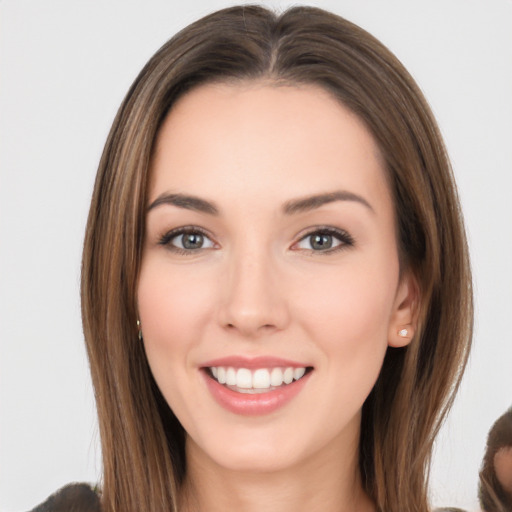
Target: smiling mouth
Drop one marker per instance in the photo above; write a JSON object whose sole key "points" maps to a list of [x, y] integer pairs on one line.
{"points": [[261, 380]]}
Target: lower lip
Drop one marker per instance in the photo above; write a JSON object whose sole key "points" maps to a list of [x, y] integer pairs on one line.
{"points": [[254, 404]]}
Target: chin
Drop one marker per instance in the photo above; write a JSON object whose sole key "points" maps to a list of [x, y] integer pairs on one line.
{"points": [[255, 460], [269, 449]]}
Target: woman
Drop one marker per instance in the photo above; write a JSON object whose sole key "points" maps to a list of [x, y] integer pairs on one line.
{"points": [[495, 486], [276, 292]]}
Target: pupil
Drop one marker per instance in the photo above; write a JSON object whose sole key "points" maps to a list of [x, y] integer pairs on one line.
{"points": [[192, 241], [321, 241]]}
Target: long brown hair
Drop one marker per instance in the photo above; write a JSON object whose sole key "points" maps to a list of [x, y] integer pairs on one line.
{"points": [[142, 441]]}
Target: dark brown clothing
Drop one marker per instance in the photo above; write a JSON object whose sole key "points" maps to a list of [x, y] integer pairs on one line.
{"points": [[72, 498]]}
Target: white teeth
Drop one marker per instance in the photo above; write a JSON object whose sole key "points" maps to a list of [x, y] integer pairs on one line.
{"points": [[221, 375], [298, 373], [231, 377], [276, 377], [243, 378], [260, 379]]}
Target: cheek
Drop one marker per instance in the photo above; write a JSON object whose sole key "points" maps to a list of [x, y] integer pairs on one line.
{"points": [[173, 309], [503, 467], [349, 317], [347, 304]]}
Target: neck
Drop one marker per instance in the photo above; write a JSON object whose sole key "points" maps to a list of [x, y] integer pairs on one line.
{"points": [[328, 481]]}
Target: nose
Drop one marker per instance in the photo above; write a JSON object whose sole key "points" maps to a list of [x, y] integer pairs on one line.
{"points": [[253, 299]]}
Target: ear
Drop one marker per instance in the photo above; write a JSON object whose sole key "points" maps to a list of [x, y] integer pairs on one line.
{"points": [[404, 317]]}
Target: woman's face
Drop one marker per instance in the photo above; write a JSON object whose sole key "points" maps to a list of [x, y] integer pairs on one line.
{"points": [[269, 288]]}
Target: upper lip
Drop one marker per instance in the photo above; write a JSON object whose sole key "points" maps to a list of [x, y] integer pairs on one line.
{"points": [[254, 362]]}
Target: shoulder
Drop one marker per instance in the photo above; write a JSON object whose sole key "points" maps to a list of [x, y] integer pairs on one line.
{"points": [[72, 497]]}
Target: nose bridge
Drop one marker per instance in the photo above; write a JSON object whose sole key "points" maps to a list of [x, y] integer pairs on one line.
{"points": [[252, 299]]}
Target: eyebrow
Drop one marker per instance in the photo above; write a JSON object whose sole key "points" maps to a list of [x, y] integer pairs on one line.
{"points": [[291, 207], [312, 202], [185, 201]]}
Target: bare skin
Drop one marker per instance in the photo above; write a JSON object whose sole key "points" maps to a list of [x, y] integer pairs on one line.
{"points": [[313, 485], [270, 234], [503, 467]]}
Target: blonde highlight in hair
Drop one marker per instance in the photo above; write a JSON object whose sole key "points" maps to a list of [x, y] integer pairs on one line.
{"points": [[142, 441]]}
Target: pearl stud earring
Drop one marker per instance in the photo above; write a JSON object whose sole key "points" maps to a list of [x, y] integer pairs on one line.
{"points": [[139, 329]]}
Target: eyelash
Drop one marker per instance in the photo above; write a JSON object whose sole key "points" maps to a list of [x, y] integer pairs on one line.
{"points": [[345, 239], [187, 230]]}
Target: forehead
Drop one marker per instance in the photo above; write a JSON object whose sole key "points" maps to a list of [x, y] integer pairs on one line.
{"points": [[259, 139]]}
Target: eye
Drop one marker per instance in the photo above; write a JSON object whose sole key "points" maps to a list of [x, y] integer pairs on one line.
{"points": [[324, 240], [186, 240]]}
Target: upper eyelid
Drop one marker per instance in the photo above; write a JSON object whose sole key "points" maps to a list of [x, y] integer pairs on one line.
{"points": [[323, 229], [187, 229]]}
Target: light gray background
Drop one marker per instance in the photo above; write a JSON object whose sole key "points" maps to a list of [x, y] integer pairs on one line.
{"points": [[65, 67]]}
